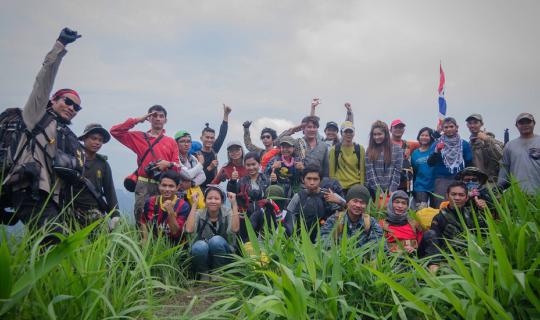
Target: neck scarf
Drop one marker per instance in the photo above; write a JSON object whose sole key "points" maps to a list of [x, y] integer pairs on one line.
{"points": [[452, 153], [289, 163], [391, 216], [174, 199]]}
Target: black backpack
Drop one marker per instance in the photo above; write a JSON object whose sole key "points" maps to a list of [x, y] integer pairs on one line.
{"points": [[68, 163], [11, 129], [357, 150]]}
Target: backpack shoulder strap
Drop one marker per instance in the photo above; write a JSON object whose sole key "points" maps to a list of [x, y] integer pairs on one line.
{"points": [[340, 224], [337, 151], [414, 225], [367, 223], [150, 147], [359, 156]]}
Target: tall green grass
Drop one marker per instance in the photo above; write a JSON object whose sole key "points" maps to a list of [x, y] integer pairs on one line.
{"points": [[96, 274], [494, 275], [91, 274]]}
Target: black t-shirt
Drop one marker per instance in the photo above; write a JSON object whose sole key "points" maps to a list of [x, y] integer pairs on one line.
{"points": [[212, 155]]}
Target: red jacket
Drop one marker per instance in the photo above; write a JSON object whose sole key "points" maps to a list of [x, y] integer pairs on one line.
{"points": [[405, 234], [226, 172], [165, 149]]}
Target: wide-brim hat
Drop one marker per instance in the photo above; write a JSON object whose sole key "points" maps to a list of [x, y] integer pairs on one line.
{"points": [[473, 171], [96, 128]]}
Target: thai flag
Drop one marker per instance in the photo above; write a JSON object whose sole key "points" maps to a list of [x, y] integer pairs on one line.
{"points": [[442, 99]]}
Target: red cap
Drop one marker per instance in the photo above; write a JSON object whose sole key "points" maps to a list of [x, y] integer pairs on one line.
{"points": [[62, 92], [396, 122]]}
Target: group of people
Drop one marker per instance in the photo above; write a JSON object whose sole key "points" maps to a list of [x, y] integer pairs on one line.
{"points": [[326, 183]]}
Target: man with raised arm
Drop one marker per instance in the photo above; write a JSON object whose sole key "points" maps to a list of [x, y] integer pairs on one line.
{"points": [[48, 159], [155, 152]]}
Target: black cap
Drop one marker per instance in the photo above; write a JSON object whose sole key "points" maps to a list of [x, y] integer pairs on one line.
{"points": [[331, 124]]}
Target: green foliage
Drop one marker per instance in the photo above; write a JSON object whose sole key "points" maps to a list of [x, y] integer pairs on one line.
{"points": [[90, 274], [490, 273]]}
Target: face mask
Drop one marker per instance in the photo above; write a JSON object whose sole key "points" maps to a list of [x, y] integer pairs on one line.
{"points": [[472, 186]]}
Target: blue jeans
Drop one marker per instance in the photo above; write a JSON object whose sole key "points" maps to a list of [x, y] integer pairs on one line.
{"points": [[209, 255]]}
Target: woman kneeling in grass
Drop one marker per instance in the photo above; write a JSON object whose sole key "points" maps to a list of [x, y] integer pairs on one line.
{"points": [[399, 229], [213, 229]]}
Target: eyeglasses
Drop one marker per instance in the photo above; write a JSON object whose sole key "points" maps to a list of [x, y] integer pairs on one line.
{"points": [[70, 102], [266, 137], [184, 141]]}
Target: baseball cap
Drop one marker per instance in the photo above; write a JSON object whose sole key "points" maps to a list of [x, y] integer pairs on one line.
{"points": [[347, 125], [234, 143], [524, 115], [475, 116], [181, 134], [331, 124], [287, 140], [96, 128], [396, 122]]}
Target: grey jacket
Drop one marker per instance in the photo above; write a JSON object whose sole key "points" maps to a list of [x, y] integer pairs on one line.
{"points": [[33, 111], [316, 155]]}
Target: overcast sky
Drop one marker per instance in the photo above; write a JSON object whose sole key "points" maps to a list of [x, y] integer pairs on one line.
{"points": [[267, 59]]}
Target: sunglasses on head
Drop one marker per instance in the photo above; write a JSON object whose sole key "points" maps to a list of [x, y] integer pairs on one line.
{"points": [[266, 136], [70, 102]]}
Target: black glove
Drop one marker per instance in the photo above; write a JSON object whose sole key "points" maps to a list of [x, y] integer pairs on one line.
{"points": [[68, 36], [246, 124]]}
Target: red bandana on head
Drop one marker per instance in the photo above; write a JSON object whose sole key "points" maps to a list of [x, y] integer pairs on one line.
{"points": [[62, 92]]}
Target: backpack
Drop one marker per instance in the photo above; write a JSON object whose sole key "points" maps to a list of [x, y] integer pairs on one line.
{"points": [[67, 163], [12, 128], [340, 224], [357, 150]]}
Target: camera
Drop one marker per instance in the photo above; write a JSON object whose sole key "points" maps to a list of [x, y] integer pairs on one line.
{"points": [[325, 190], [152, 170]]}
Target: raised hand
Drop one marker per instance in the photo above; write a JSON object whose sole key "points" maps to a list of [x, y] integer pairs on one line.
{"points": [[214, 164], [273, 176], [315, 102], [146, 117], [246, 124], [234, 175], [68, 36], [226, 109], [480, 203], [348, 106], [482, 136], [168, 204], [195, 198], [232, 198]]}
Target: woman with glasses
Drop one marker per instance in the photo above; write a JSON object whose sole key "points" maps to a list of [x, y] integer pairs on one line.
{"points": [[191, 166]]}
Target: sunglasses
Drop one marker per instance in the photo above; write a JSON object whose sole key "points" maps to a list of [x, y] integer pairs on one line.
{"points": [[266, 137], [70, 102], [470, 180]]}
